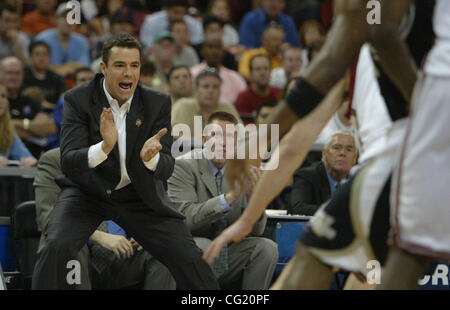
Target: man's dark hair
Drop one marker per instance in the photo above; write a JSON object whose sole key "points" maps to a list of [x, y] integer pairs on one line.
{"points": [[35, 44], [148, 68], [222, 116], [211, 19], [80, 70], [250, 63], [9, 8], [175, 68], [171, 3], [176, 22], [122, 39], [122, 15], [272, 26], [270, 103], [205, 73]]}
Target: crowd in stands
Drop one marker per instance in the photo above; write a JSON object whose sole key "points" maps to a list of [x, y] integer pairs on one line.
{"points": [[256, 48], [239, 57]]}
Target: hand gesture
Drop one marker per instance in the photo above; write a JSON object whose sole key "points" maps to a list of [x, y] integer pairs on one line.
{"points": [[152, 146], [239, 171], [3, 161], [108, 130], [27, 161], [135, 244], [233, 195], [235, 233]]}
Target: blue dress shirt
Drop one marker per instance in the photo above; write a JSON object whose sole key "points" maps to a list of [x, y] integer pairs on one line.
{"points": [[115, 229], [255, 22], [77, 49], [333, 183]]}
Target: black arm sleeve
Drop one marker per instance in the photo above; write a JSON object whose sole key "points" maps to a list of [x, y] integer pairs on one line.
{"points": [[303, 98]]}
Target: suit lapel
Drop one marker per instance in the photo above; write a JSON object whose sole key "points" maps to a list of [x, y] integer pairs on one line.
{"points": [[134, 123], [225, 186], [207, 177], [99, 98], [325, 187]]}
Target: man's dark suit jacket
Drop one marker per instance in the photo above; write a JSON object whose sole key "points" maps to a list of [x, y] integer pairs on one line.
{"points": [[149, 112], [311, 188]]}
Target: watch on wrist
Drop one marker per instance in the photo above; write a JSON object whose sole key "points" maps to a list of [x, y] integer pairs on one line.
{"points": [[26, 123]]}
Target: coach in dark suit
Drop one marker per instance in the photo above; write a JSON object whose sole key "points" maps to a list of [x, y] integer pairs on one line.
{"points": [[115, 155], [314, 185]]}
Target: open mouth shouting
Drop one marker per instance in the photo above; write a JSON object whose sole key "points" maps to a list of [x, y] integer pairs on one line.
{"points": [[125, 86]]}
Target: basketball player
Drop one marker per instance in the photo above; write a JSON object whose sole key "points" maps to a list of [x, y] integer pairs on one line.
{"points": [[322, 226], [421, 195]]}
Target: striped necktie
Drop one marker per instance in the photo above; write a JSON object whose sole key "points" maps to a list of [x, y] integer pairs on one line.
{"points": [[221, 264], [99, 254]]}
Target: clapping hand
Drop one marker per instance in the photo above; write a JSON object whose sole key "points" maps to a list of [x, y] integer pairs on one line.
{"points": [[108, 130]]}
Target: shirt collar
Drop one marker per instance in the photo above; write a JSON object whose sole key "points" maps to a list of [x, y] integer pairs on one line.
{"points": [[332, 181], [205, 66], [267, 20], [214, 169], [114, 104]]}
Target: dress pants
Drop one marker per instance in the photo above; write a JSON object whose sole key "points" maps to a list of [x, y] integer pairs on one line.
{"points": [[251, 263], [77, 215], [140, 269]]}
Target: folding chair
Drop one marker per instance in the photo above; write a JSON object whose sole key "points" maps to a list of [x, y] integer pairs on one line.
{"points": [[25, 235]]}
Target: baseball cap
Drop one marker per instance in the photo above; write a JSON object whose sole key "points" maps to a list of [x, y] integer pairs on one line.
{"points": [[161, 36], [63, 9], [122, 15]]}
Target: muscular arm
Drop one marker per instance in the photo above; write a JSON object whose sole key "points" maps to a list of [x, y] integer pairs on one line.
{"points": [[349, 32], [290, 153], [391, 50]]}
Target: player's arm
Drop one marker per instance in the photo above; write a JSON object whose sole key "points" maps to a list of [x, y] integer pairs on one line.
{"points": [[290, 153], [391, 50]]}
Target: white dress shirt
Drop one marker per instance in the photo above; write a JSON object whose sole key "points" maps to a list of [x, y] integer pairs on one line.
{"points": [[96, 155]]}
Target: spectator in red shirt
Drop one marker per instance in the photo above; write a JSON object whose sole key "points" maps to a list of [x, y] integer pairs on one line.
{"points": [[42, 18], [259, 90]]}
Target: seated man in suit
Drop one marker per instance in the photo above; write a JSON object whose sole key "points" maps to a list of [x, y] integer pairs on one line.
{"points": [[314, 185], [117, 261], [200, 192]]}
